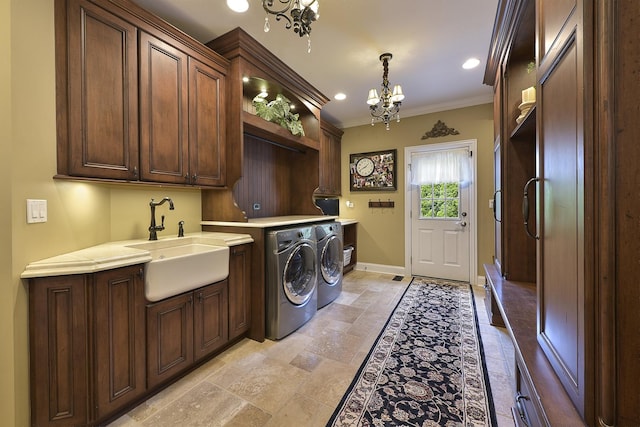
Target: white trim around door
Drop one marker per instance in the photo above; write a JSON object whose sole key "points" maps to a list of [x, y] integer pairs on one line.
{"points": [[471, 145]]}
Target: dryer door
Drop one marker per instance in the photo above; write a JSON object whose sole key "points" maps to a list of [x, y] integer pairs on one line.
{"points": [[299, 275], [331, 261]]}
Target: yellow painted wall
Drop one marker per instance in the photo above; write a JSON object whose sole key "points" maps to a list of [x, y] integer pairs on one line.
{"points": [[80, 214], [7, 292], [381, 232]]}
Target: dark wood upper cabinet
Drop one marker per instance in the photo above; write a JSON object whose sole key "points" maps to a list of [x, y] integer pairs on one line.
{"points": [[164, 105], [100, 94], [137, 100], [207, 125], [330, 176]]}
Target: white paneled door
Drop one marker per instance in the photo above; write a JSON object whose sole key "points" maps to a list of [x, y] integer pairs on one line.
{"points": [[440, 231]]}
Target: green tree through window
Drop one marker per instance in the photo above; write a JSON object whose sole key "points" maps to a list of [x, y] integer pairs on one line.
{"points": [[440, 200]]}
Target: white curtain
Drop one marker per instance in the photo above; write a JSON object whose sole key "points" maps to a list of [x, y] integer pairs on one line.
{"points": [[437, 167]]}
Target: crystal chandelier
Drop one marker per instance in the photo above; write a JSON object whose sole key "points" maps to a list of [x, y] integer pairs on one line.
{"points": [[385, 107], [302, 13]]}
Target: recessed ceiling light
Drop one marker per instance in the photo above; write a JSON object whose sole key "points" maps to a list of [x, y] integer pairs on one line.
{"points": [[471, 63], [245, 79], [238, 5], [340, 96]]}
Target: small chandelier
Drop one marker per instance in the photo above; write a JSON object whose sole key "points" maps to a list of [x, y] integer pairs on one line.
{"points": [[385, 107], [302, 14]]}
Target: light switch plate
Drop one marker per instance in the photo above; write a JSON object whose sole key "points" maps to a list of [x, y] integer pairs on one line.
{"points": [[36, 211]]}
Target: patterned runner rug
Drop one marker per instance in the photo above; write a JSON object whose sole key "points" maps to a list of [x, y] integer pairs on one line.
{"points": [[426, 368]]}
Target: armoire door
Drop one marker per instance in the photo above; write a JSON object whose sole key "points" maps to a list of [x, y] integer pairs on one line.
{"points": [[561, 282]]}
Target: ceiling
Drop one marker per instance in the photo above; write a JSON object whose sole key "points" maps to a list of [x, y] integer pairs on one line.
{"points": [[429, 40]]}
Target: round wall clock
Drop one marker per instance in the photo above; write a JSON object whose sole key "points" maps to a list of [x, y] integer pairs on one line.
{"points": [[364, 166]]}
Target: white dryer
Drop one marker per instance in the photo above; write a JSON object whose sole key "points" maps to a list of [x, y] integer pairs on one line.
{"points": [[291, 286], [330, 261]]}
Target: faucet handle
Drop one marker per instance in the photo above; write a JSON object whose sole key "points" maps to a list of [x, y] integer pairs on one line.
{"points": [[162, 222], [181, 229]]}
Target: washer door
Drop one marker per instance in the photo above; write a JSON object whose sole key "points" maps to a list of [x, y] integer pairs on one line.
{"points": [[299, 275], [331, 261]]}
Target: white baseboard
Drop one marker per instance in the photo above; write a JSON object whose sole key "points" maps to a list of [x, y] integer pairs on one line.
{"points": [[399, 271], [380, 268]]}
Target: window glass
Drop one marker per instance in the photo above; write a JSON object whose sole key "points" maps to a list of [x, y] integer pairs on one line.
{"points": [[440, 200]]}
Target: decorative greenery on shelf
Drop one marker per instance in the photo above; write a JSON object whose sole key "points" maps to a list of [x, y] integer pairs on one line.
{"points": [[531, 66], [279, 111]]}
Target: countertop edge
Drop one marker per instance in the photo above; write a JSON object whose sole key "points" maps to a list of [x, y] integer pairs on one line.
{"points": [[271, 222], [347, 221], [118, 254]]}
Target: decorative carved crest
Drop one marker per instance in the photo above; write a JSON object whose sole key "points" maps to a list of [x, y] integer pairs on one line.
{"points": [[438, 130]]}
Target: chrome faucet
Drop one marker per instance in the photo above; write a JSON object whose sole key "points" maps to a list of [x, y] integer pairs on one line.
{"points": [[153, 228]]}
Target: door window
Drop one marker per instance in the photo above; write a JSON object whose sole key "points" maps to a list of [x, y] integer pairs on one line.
{"points": [[440, 201]]}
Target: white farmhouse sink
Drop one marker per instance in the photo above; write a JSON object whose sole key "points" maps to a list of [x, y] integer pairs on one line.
{"points": [[179, 268]]}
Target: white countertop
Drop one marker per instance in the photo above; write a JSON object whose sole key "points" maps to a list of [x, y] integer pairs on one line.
{"points": [[347, 221], [120, 254], [273, 221]]}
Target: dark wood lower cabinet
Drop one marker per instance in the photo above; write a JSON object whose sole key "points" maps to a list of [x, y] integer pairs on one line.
{"points": [[210, 319], [184, 329], [169, 338], [98, 346], [118, 325], [239, 290], [57, 330], [525, 411]]}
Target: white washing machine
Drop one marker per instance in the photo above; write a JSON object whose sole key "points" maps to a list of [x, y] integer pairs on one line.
{"points": [[291, 288], [330, 261]]}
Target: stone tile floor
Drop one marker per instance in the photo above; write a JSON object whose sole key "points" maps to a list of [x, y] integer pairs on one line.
{"points": [[299, 380]]}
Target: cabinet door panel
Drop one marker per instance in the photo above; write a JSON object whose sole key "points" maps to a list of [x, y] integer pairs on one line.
{"points": [[210, 317], [239, 292], [58, 330], [103, 94], [120, 356], [169, 338], [553, 16], [562, 231], [206, 125], [330, 157], [163, 112]]}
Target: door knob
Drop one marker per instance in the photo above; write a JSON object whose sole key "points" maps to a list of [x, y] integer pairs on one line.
{"points": [[462, 223]]}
